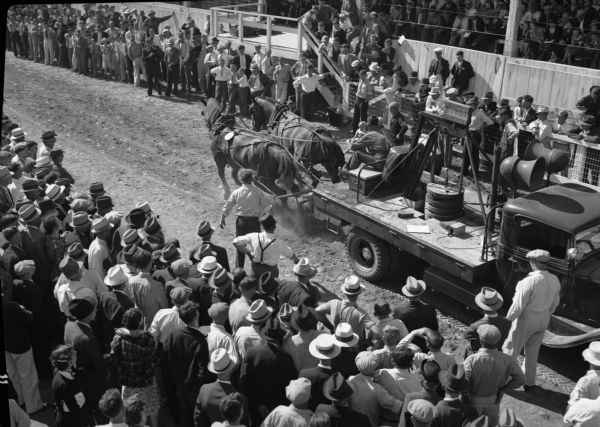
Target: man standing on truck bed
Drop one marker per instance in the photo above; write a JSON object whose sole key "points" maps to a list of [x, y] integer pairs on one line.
{"points": [[536, 297]]}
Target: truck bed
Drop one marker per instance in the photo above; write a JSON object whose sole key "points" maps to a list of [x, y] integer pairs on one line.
{"points": [[387, 217]]}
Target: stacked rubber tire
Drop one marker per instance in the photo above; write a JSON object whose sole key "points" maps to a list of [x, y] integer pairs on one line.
{"points": [[443, 203]]}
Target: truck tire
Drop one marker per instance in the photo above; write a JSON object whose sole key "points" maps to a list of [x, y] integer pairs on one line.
{"points": [[369, 255]]}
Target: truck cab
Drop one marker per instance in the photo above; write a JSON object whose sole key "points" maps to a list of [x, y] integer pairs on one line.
{"points": [[565, 221]]}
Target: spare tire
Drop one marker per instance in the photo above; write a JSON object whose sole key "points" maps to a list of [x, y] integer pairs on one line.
{"points": [[369, 255]]}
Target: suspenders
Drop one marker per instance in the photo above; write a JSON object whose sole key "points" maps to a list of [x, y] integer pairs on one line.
{"points": [[263, 249]]}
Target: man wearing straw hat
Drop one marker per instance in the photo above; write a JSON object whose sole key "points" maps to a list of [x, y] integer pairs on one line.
{"points": [[297, 413], [588, 386], [114, 303], [324, 348], [536, 298], [347, 309], [98, 252], [253, 335], [489, 302], [207, 409]]}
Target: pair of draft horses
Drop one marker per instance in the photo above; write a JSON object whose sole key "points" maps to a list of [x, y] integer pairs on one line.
{"points": [[292, 145]]}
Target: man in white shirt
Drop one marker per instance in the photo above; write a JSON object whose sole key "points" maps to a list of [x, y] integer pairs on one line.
{"points": [[217, 336], [479, 120], [435, 101], [98, 253], [308, 82], [265, 249], [221, 74], [266, 65], [542, 126], [258, 55]]}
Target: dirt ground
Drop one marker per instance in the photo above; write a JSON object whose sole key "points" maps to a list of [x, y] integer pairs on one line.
{"points": [[157, 149]]}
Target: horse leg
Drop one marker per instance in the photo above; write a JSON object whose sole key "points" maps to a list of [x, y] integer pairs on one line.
{"points": [[221, 162], [234, 175], [271, 188]]}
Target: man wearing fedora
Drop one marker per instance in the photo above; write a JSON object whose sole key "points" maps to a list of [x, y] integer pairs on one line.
{"points": [[297, 413], [113, 304], [347, 309], [300, 292], [205, 232], [90, 364], [98, 252], [542, 126], [435, 101], [348, 341], [185, 359], [429, 371], [207, 410], [181, 271], [48, 140], [490, 374], [325, 348], [201, 290], [451, 410], [249, 336], [82, 226], [221, 283], [536, 298], [413, 312], [7, 202], [439, 65], [304, 320], [337, 390], [265, 372], [588, 386], [265, 249], [489, 302]]}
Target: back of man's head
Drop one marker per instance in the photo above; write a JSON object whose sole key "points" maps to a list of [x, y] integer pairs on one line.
{"points": [[188, 312], [391, 336], [141, 258], [402, 357], [111, 404], [434, 340]]}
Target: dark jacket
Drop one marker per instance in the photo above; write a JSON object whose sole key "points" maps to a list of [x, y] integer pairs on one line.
{"points": [[502, 323], [207, 409], [461, 75], [16, 321], [111, 307], [452, 413], [344, 363], [64, 391], [429, 395], [185, 357], [398, 128], [236, 61], [317, 376], [415, 315], [295, 294], [201, 295], [440, 66], [221, 254], [264, 375]]}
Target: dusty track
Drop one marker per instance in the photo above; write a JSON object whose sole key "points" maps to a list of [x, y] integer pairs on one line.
{"points": [[157, 149]]}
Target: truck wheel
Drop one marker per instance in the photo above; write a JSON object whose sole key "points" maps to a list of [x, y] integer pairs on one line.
{"points": [[369, 255]]}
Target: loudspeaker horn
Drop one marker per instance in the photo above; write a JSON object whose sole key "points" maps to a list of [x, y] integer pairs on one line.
{"points": [[526, 174], [556, 160]]}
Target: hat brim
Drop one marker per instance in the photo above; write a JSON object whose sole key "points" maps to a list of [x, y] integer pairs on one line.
{"points": [[360, 290], [124, 243], [588, 356], [211, 230], [128, 221], [486, 307], [459, 386], [229, 281], [163, 259], [203, 271], [311, 272], [34, 218], [233, 361], [110, 284], [347, 344], [268, 314], [315, 352], [327, 394]]}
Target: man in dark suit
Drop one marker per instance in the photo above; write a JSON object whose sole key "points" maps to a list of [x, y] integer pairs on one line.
{"points": [[338, 391], [414, 313], [205, 232], [324, 347], [243, 60], [430, 371], [207, 410], [185, 358], [462, 72], [489, 301], [265, 373], [300, 291], [528, 114], [348, 341], [439, 65], [113, 304], [451, 410], [393, 123], [90, 359]]}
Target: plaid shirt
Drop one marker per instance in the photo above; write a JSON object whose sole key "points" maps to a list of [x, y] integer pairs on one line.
{"points": [[135, 357]]}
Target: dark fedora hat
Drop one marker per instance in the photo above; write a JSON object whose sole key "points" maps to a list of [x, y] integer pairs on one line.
{"points": [[220, 278], [152, 226], [136, 218], [80, 308], [267, 283], [104, 203], [273, 330], [454, 378], [336, 388], [202, 251], [170, 253]]}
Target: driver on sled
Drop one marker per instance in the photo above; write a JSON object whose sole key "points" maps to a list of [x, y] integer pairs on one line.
{"points": [[373, 148]]}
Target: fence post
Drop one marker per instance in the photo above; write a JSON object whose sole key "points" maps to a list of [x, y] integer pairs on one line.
{"points": [[512, 30], [240, 27], [300, 35], [269, 18], [213, 23]]}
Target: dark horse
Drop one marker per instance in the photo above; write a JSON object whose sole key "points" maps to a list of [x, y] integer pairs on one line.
{"points": [[310, 143], [234, 145]]}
